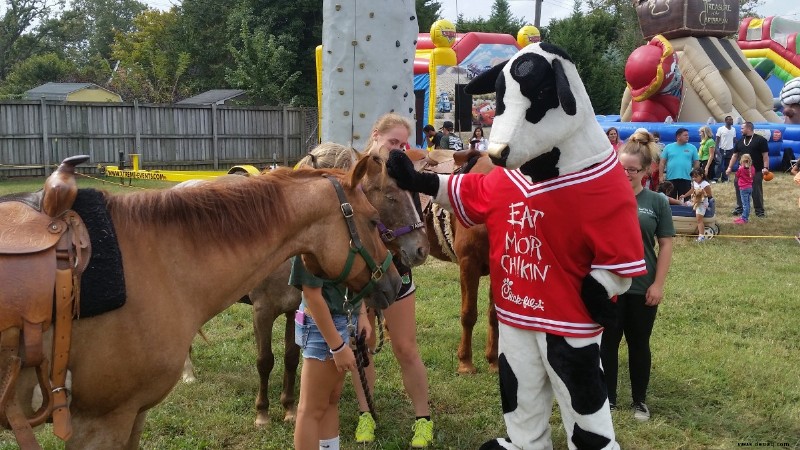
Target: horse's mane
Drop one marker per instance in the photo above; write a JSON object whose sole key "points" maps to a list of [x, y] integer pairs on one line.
{"points": [[221, 213]]}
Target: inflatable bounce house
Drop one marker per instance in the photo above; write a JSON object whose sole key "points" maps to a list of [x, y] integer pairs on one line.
{"points": [[772, 48], [688, 75], [445, 62]]}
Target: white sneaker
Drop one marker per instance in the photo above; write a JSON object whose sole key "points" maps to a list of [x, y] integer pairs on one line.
{"points": [[641, 412]]}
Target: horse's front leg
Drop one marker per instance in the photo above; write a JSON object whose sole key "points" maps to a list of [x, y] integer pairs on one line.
{"points": [[188, 375], [493, 335], [263, 319], [291, 359], [469, 273], [116, 429]]}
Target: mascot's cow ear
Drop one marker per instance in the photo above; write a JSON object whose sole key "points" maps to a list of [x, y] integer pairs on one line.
{"points": [[565, 96], [486, 81]]}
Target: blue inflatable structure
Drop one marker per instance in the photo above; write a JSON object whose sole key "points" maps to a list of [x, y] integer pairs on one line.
{"points": [[784, 140]]}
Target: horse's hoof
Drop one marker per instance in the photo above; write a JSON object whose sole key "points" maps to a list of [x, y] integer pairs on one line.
{"points": [[494, 367], [289, 417], [466, 369], [262, 421], [188, 378]]}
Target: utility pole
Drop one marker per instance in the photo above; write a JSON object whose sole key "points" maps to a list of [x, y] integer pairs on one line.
{"points": [[537, 11]]}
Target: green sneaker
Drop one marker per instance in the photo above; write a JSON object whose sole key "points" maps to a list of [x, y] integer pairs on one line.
{"points": [[423, 433], [365, 431]]}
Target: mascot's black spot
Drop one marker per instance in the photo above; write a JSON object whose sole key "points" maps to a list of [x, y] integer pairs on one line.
{"points": [[508, 385], [537, 82], [500, 89], [586, 440], [550, 48], [495, 444], [601, 309], [543, 167], [579, 369]]}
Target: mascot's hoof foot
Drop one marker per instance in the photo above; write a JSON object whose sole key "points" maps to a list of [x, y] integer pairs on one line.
{"points": [[498, 444]]}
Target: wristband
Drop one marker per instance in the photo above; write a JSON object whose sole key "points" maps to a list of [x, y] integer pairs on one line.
{"points": [[337, 349]]}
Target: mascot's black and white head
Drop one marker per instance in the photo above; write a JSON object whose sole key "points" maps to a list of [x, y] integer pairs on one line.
{"points": [[544, 119]]}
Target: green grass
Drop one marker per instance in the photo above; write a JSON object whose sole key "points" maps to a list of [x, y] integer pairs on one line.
{"points": [[726, 353]]}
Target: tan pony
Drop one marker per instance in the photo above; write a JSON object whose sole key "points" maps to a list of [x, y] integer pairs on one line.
{"points": [[188, 254], [469, 248]]}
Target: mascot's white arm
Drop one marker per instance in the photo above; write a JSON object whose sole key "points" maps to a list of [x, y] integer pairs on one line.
{"points": [[614, 284]]}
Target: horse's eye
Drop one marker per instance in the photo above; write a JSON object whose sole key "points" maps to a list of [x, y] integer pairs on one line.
{"points": [[391, 198], [375, 221]]}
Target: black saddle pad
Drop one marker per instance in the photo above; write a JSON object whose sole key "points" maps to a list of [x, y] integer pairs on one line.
{"points": [[103, 281]]}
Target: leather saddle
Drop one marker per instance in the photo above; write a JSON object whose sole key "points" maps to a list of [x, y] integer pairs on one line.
{"points": [[44, 248]]}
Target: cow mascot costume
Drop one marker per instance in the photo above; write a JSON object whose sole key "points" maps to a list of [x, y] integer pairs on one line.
{"points": [[564, 241]]}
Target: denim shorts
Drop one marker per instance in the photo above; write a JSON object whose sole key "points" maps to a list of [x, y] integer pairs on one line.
{"points": [[310, 340]]}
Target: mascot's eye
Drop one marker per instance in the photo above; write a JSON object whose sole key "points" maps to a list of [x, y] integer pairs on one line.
{"points": [[544, 93], [524, 68]]}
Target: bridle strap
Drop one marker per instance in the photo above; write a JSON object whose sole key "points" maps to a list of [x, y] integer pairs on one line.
{"points": [[356, 247], [388, 235]]}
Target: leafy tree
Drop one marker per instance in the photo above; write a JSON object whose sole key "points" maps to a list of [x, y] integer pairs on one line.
{"points": [[19, 16], [428, 11], [747, 8], [469, 25], [150, 67], [262, 69], [502, 21], [205, 37], [102, 20], [35, 71], [591, 40], [297, 29]]}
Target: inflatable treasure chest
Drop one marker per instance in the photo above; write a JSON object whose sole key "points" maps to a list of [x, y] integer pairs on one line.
{"points": [[680, 18]]}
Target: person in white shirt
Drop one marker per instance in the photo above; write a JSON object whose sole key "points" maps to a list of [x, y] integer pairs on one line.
{"points": [[478, 140], [726, 137]]}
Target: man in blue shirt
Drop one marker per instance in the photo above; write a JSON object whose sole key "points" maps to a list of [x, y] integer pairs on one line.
{"points": [[677, 161]]}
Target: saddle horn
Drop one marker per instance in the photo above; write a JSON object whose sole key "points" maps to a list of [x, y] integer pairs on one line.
{"points": [[60, 189]]}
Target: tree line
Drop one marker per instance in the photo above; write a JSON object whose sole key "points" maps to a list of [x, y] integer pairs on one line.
{"points": [[265, 47]]}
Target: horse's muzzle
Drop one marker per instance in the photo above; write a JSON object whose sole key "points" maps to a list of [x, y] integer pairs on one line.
{"points": [[386, 289]]}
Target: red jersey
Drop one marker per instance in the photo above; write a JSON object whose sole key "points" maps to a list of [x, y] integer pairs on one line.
{"points": [[541, 247]]}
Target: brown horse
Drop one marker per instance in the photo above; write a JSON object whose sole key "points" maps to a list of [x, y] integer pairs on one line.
{"points": [[188, 254], [469, 248], [403, 234]]}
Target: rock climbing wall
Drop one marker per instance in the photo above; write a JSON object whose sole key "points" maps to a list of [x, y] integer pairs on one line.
{"points": [[368, 49]]}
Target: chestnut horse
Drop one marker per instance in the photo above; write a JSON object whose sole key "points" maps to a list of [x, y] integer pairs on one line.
{"points": [[403, 233], [190, 253], [469, 248]]}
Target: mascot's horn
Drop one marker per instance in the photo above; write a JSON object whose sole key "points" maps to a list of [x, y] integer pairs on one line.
{"points": [[486, 81], [565, 96]]}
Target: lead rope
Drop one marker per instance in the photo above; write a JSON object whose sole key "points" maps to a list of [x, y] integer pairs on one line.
{"points": [[379, 320], [362, 355], [362, 362]]}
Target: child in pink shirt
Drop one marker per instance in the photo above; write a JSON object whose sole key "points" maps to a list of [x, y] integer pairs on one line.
{"points": [[744, 179]]}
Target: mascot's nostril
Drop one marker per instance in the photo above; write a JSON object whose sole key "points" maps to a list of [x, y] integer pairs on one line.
{"points": [[501, 161]]}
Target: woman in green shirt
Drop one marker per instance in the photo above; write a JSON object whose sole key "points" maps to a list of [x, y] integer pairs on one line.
{"points": [[322, 330], [706, 152], [636, 308]]}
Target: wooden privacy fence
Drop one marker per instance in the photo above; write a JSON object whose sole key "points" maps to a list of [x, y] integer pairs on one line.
{"points": [[37, 135]]}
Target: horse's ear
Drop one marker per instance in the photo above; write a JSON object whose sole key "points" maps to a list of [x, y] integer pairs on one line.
{"points": [[359, 170]]}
